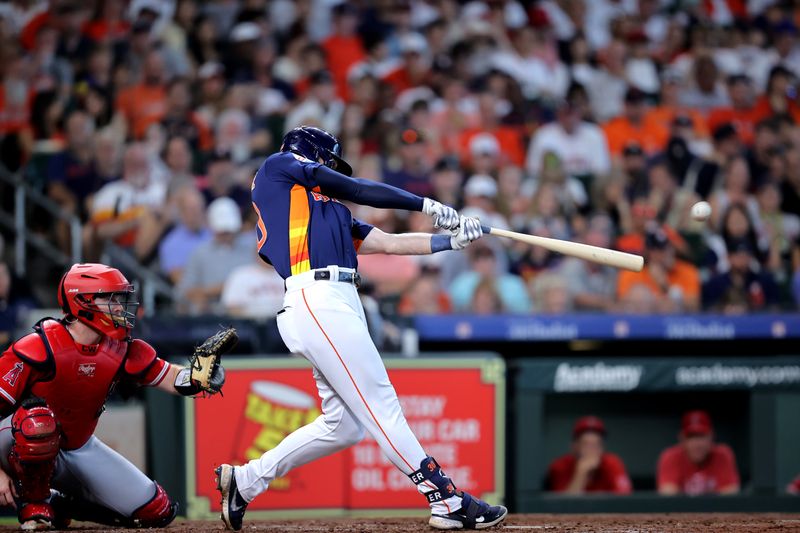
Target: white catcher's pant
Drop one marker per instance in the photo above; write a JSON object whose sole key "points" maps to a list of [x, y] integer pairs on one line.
{"points": [[324, 321]]}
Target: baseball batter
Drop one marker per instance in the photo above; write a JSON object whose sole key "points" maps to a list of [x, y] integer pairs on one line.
{"points": [[53, 387], [311, 239]]}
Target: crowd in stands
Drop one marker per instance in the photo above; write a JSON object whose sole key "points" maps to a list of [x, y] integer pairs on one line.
{"points": [[597, 121]]}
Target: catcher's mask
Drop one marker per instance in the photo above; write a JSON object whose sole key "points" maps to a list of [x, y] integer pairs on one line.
{"points": [[100, 297]]}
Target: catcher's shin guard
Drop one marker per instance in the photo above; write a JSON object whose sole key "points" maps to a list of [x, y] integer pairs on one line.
{"points": [[159, 512], [450, 507], [33, 459]]}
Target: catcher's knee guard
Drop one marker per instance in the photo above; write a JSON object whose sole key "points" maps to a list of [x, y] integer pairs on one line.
{"points": [[35, 448], [160, 511]]}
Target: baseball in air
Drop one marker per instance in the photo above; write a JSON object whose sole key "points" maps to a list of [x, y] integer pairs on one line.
{"points": [[701, 211]]}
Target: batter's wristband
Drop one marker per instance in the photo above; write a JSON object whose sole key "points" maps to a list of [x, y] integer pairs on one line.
{"points": [[440, 243]]}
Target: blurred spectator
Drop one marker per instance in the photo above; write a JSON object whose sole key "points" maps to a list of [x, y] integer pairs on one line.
{"points": [[480, 200], [696, 465], [550, 293], [446, 181], [591, 285], [414, 67], [145, 102], [669, 107], [706, 92], [485, 299], [790, 186], [492, 113], [588, 467], [672, 203], [253, 291], [344, 47], [631, 126], [425, 296], [410, 170], [740, 112], [510, 288], [15, 300], [71, 173], [579, 144], [180, 120], [776, 228], [484, 154], [743, 288], [221, 181], [735, 190], [736, 224], [320, 107], [609, 84], [211, 262], [119, 207], [178, 160], [189, 233], [794, 487], [674, 283], [780, 96]]}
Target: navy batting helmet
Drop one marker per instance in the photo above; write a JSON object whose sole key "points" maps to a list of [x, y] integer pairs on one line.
{"points": [[315, 144]]}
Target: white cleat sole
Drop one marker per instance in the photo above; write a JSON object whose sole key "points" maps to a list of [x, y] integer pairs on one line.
{"points": [[36, 525], [224, 485], [441, 522]]}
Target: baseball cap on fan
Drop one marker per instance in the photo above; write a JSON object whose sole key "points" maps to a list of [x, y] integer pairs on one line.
{"points": [[484, 144], [588, 423], [224, 216], [481, 185], [696, 423]]}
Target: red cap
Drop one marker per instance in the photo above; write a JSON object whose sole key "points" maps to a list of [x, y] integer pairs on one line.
{"points": [[696, 423], [588, 423]]}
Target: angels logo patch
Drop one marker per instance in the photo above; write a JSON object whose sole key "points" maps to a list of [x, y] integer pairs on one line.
{"points": [[86, 369], [13, 374]]}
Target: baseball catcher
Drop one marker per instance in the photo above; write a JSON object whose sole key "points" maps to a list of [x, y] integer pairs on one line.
{"points": [[54, 384]]}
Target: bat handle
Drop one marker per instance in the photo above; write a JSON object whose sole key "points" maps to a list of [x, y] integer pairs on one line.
{"points": [[486, 229]]}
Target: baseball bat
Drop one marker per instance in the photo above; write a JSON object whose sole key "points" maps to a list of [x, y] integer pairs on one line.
{"points": [[604, 256]]}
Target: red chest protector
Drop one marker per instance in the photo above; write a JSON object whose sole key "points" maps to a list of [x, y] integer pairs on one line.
{"points": [[81, 382]]}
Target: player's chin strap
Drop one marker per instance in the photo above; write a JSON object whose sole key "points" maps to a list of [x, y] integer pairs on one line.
{"points": [[432, 482]]}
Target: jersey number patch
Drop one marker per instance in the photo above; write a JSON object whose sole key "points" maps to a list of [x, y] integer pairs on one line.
{"points": [[13, 374]]}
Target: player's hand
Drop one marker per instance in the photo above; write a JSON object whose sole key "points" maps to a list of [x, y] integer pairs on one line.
{"points": [[588, 462], [469, 230], [7, 490], [444, 216]]}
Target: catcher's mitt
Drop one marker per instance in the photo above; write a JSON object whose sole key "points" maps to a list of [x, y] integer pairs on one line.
{"points": [[205, 371]]}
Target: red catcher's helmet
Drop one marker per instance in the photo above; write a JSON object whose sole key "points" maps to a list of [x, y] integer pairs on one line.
{"points": [[85, 282]]}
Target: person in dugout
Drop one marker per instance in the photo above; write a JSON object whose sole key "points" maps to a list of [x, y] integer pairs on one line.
{"points": [[697, 465], [54, 384], [588, 467]]}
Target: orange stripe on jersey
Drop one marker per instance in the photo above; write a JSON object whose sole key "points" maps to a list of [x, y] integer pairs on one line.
{"points": [[262, 228], [298, 230]]}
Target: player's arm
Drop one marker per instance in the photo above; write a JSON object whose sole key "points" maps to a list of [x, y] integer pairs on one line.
{"points": [[379, 242], [667, 475], [149, 370], [375, 194]]}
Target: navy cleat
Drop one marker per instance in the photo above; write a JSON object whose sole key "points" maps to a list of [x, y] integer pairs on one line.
{"points": [[233, 505], [474, 514]]}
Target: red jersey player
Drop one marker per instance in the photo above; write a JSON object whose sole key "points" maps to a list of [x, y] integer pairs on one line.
{"points": [[588, 468], [697, 465], [54, 383]]}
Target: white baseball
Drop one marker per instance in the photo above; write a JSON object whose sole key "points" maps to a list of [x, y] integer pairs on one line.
{"points": [[701, 211]]}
